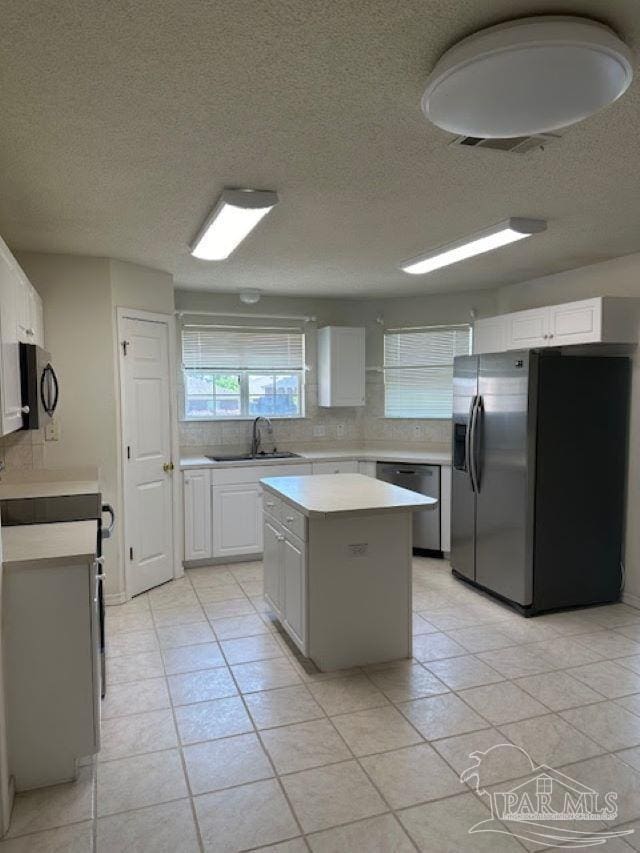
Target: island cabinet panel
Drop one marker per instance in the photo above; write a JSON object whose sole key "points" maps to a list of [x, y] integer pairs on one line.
{"points": [[295, 587], [359, 595], [273, 564]]}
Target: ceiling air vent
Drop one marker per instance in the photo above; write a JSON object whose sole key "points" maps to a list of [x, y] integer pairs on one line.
{"points": [[514, 145]]}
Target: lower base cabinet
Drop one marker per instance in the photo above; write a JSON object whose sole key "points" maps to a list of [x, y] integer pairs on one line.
{"points": [[237, 519], [285, 578]]}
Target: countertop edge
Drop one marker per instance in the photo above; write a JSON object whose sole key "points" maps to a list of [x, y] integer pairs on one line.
{"points": [[418, 458]]}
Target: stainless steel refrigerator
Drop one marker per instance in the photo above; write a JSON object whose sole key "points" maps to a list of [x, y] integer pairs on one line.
{"points": [[539, 469]]}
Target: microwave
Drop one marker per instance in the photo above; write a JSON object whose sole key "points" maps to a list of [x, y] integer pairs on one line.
{"points": [[39, 386]]}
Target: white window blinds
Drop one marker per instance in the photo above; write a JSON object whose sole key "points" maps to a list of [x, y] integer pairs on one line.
{"points": [[218, 348], [418, 370]]}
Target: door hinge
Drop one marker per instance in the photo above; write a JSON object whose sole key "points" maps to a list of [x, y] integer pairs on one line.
{"points": [[128, 451], [125, 345], [131, 553]]}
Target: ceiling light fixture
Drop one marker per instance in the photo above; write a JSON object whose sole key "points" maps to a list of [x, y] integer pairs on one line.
{"points": [[515, 228], [250, 297], [236, 214], [528, 76]]}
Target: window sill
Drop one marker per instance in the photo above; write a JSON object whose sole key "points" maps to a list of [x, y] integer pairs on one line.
{"points": [[184, 420], [416, 417]]}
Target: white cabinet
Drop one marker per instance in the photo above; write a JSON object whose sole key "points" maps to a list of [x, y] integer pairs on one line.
{"points": [[345, 466], [273, 565], [295, 587], [490, 335], [341, 366], [367, 468], [603, 319], [223, 510], [237, 519], [575, 323], [197, 514], [51, 637], [285, 577], [29, 311], [527, 329], [10, 293]]}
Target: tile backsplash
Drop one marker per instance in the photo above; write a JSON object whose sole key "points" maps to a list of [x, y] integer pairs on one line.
{"points": [[23, 450], [348, 427]]}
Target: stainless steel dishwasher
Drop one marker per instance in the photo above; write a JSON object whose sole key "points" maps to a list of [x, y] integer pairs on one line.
{"points": [[424, 479]]}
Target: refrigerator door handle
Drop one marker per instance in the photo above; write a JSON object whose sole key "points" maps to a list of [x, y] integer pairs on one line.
{"points": [[468, 442], [473, 445]]}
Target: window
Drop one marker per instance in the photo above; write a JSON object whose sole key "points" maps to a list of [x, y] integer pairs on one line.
{"points": [[418, 370], [242, 373]]}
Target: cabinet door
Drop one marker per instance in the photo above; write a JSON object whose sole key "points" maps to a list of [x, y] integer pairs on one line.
{"points": [[367, 468], [197, 515], [341, 368], [576, 322], [10, 393], [348, 368], [237, 519], [346, 466], [490, 335], [273, 564], [528, 329], [295, 589], [37, 318]]}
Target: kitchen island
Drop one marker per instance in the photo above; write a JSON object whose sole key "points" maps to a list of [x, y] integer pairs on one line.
{"points": [[337, 565]]}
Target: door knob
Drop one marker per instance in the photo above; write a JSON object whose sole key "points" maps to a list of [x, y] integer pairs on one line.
{"points": [[167, 467]]}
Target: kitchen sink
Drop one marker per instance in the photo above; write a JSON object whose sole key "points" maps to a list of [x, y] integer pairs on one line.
{"points": [[242, 457]]}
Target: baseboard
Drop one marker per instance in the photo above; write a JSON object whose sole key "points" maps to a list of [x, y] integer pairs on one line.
{"points": [[223, 561], [631, 599], [115, 598]]}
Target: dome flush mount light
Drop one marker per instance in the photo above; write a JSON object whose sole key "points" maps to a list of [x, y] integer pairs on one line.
{"points": [[528, 76], [508, 231], [236, 214]]}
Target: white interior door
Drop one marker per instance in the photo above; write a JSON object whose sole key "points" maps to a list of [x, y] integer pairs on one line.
{"points": [[148, 486]]}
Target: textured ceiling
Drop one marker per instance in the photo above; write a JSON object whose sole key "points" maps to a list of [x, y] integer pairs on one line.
{"points": [[122, 121]]}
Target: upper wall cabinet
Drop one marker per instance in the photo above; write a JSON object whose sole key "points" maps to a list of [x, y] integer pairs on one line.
{"points": [[603, 319], [341, 375], [490, 335], [20, 321]]}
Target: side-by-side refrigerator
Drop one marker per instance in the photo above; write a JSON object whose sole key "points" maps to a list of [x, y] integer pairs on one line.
{"points": [[539, 470]]}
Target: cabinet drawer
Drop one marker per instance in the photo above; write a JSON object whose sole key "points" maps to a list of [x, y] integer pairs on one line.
{"points": [[294, 520], [271, 505]]}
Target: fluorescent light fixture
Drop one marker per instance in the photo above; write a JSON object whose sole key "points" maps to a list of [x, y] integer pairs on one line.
{"points": [[498, 235], [237, 212]]}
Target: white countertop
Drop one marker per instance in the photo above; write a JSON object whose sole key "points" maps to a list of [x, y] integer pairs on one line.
{"points": [[49, 482], [337, 494], [28, 543], [415, 457]]}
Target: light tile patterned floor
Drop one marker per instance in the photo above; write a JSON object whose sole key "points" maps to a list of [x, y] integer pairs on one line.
{"points": [[217, 738]]}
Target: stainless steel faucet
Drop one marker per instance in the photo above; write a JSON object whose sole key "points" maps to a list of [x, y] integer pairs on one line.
{"points": [[256, 437]]}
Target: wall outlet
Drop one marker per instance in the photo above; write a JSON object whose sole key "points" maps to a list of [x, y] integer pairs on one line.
{"points": [[319, 431], [340, 430], [417, 432], [52, 431]]}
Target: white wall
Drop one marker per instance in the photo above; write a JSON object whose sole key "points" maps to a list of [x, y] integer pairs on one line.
{"points": [[618, 277], [80, 296]]}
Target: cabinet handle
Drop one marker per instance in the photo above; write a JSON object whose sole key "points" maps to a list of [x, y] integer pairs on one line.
{"points": [[279, 537], [289, 518], [25, 410], [270, 503]]}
